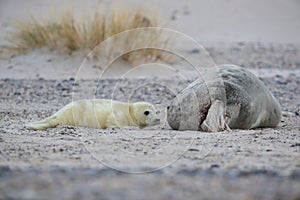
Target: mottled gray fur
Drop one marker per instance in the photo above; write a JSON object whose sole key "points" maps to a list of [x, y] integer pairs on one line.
{"points": [[230, 97]]}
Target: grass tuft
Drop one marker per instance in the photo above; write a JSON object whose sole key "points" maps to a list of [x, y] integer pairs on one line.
{"points": [[67, 34]]}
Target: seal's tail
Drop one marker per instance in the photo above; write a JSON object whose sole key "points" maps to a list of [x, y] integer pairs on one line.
{"points": [[49, 122]]}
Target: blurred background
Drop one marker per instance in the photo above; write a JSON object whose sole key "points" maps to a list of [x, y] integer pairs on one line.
{"points": [[271, 21]]}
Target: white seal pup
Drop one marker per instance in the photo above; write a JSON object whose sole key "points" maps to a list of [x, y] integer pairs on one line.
{"points": [[101, 113], [239, 101]]}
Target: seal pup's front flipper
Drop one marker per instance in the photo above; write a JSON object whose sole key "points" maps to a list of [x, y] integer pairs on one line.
{"points": [[215, 119]]}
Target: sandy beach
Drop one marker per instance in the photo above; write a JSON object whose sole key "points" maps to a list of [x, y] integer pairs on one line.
{"points": [[157, 162]]}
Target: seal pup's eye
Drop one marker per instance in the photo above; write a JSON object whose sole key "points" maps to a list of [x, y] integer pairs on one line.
{"points": [[146, 112]]}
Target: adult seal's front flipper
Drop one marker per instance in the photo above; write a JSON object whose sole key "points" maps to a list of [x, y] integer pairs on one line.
{"points": [[215, 119]]}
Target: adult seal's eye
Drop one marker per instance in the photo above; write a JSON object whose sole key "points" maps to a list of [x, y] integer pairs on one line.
{"points": [[146, 112]]}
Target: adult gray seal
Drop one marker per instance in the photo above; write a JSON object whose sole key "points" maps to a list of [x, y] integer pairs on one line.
{"points": [[101, 113], [231, 97]]}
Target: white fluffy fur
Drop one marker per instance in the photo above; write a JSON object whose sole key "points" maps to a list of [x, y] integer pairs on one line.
{"points": [[100, 113]]}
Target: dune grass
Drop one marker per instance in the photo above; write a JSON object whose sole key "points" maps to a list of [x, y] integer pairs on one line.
{"points": [[65, 33]]}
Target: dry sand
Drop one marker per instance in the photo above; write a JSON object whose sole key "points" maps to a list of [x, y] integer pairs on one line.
{"points": [[157, 162]]}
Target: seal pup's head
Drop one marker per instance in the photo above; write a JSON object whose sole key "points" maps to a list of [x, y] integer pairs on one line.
{"points": [[144, 114]]}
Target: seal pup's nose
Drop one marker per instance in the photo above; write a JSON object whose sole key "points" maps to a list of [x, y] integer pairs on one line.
{"points": [[157, 121]]}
